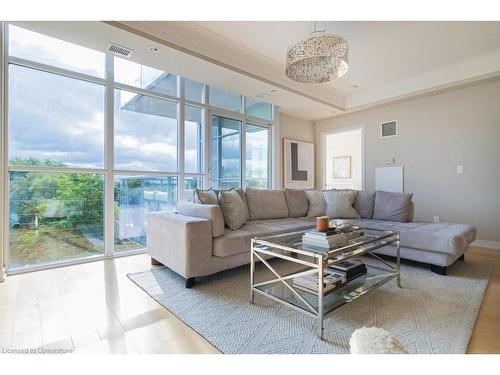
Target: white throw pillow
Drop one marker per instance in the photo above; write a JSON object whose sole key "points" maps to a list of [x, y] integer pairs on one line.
{"points": [[339, 204]]}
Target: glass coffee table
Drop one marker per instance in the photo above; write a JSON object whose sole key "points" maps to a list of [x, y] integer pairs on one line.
{"points": [[288, 246]]}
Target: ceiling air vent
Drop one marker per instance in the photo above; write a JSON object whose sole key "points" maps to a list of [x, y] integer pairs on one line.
{"points": [[388, 129], [119, 50]]}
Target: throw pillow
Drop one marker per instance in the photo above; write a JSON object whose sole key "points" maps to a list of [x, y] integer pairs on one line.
{"points": [[317, 205], [297, 202], [364, 203], [243, 196], [391, 206], [339, 204], [233, 209], [206, 196]]}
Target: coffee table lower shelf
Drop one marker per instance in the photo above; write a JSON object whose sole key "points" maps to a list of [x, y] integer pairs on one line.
{"points": [[277, 291]]}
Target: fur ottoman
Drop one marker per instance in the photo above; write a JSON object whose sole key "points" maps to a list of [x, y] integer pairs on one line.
{"points": [[374, 340]]}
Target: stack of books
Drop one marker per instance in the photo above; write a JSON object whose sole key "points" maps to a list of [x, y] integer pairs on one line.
{"points": [[332, 281], [330, 239], [350, 269], [324, 240]]}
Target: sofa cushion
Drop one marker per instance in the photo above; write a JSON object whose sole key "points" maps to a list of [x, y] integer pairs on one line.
{"points": [[317, 205], [364, 203], [392, 206], [237, 242], [233, 208], [446, 238], [339, 204], [266, 204], [206, 196], [206, 211], [297, 202]]}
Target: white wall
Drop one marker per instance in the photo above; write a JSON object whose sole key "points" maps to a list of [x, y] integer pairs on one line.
{"points": [[345, 143], [437, 133], [297, 129]]}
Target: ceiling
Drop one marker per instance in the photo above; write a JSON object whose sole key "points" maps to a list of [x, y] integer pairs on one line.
{"points": [[380, 52], [388, 61]]}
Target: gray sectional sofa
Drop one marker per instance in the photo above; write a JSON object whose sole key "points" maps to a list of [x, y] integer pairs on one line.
{"points": [[196, 242]]}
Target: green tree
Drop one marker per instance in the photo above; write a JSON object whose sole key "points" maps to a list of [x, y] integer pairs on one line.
{"points": [[75, 200]]}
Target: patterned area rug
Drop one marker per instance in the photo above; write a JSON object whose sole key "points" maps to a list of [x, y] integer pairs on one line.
{"points": [[430, 314]]}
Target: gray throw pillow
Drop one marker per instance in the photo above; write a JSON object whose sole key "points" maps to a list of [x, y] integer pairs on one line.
{"points": [[206, 196], [243, 196], [364, 203], [339, 204], [317, 205], [391, 206], [233, 209], [297, 202]]}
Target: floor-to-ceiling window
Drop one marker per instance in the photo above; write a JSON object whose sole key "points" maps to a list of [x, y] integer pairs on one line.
{"points": [[56, 150], [96, 142]]}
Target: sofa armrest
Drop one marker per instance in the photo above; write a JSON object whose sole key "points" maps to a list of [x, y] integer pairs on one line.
{"points": [[211, 212], [182, 243]]}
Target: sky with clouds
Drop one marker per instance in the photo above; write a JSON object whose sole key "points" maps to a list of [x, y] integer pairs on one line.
{"points": [[60, 118]]}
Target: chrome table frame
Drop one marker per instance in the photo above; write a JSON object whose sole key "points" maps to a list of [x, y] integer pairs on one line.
{"points": [[262, 248]]}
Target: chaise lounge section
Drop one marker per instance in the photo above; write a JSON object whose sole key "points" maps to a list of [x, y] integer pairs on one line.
{"points": [[196, 242]]}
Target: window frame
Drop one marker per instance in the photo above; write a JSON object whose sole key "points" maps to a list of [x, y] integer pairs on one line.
{"points": [[108, 169]]}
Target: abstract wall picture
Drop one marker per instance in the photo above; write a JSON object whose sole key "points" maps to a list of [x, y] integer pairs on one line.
{"points": [[298, 164], [342, 167]]}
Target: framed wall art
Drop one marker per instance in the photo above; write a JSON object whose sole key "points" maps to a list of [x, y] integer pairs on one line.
{"points": [[298, 164], [342, 167]]}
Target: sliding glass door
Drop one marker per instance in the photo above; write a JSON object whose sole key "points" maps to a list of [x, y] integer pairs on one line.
{"points": [[229, 164], [226, 153], [257, 156]]}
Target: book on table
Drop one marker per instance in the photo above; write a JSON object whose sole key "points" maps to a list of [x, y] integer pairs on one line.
{"points": [[325, 242], [325, 233], [351, 269], [332, 281], [328, 239]]}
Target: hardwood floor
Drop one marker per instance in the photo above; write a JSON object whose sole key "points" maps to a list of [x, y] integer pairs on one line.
{"points": [[94, 308], [486, 335], [91, 308]]}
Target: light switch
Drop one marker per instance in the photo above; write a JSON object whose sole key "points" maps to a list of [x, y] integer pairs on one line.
{"points": [[460, 169]]}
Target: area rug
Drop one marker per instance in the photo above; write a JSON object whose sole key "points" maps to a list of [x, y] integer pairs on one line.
{"points": [[430, 314]]}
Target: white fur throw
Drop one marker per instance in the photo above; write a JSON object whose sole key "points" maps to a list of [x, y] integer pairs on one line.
{"points": [[373, 340]]}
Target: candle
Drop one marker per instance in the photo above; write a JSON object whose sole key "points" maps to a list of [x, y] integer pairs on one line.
{"points": [[322, 223]]}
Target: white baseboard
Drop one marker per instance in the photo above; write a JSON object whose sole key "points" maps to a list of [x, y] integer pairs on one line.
{"points": [[487, 244]]}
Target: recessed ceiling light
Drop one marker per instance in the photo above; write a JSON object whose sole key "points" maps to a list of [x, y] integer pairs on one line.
{"points": [[154, 49]]}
